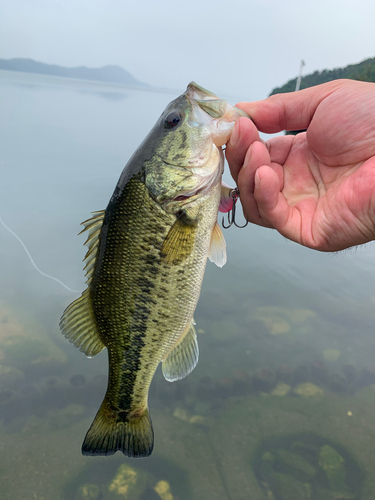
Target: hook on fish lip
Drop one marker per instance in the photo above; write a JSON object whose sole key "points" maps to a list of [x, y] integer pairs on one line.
{"points": [[234, 194]]}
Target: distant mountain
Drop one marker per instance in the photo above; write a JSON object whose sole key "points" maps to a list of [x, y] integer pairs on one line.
{"points": [[363, 71], [109, 74]]}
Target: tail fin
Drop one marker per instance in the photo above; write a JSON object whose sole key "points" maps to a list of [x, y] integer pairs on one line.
{"points": [[134, 437]]}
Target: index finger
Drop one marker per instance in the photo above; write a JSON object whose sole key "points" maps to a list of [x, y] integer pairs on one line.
{"points": [[243, 135]]}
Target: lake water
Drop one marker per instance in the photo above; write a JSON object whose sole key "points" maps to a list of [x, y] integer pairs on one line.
{"points": [[282, 403]]}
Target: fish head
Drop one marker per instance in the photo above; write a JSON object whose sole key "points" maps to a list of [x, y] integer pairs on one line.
{"points": [[189, 137]]}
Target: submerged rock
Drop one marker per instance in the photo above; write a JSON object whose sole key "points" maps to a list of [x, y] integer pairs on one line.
{"points": [[241, 382], [163, 489], [25, 345], [289, 488], [307, 390], [281, 389], [67, 416], [301, 374], [181, 414], [305, 467], [367, 376], [296, 461], [263, 380], [88, 492], [224, 387], [280, 320], [350, 373], [338, 382], [284, 373], [319, 372], [331, 355], [205, 388], [333, 465], [128, 483]]}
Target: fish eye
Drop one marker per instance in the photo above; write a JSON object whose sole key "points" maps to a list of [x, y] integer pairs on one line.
{"points": [[172, 120]]}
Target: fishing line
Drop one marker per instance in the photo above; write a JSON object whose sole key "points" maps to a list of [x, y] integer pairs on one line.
{"points": [[32, 260]]}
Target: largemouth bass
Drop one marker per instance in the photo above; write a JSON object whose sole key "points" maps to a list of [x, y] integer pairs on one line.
{"points": [[146, 258]]}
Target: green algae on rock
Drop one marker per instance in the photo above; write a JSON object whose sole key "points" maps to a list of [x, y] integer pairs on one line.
{"points": [[281, 389], [331, 355], [128, 483], [25, 345], [279, 320], [334, 467], [305, 468], [88, 492], [308, 389]]}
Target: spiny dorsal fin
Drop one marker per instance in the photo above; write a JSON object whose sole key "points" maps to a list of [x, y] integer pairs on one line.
{"points": [[218, 248], [93, 226], [179, 242], [78, 326], [183, 358]]}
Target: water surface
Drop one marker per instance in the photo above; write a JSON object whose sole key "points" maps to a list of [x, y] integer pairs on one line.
{"points": [[287, 347]]}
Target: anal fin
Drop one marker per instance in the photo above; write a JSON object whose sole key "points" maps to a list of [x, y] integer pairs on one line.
{"points": [[183, 358]]}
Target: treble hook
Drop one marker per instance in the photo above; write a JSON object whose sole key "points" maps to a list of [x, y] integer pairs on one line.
{"points": [[235, 194]]}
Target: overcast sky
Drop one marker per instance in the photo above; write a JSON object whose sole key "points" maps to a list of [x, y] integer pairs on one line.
{"points": [[233, 47]]}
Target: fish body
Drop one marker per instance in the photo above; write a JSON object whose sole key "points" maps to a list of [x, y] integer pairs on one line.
{"points": [[145, 265]]}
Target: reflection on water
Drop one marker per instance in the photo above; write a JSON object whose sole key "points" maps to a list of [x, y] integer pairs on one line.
{"points": [[281, 405]]}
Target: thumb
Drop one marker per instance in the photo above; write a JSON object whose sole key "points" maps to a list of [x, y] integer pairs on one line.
{"points": [[290, 111]]}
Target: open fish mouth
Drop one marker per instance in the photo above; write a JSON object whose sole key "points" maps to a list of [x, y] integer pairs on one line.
{"points": [[206, 100], [223, 115]]}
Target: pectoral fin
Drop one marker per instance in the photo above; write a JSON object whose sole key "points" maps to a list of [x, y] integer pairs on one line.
{"points": [[179, 242], [218, 248], [183, 358]]}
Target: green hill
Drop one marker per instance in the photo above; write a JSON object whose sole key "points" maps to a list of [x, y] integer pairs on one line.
{"points": [[363, 71]]}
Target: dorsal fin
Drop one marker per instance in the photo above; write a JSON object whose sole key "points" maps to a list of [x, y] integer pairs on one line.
{"points": [[94, 226], [78, 326], [78, 322]]}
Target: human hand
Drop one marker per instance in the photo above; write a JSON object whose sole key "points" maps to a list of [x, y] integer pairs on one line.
{"points": [[316, 188]]}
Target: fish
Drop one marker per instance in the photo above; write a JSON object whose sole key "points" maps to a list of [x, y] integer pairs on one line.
{"points": [[145, 263]]}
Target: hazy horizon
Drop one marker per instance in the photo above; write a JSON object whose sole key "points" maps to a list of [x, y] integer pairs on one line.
{"points": [[246, 49]]}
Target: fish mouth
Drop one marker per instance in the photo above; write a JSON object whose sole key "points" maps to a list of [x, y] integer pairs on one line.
{"points": [[195, 91], [212, 104], [224, 115], [206, 100]]}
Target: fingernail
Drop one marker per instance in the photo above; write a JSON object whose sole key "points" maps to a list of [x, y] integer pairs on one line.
{"points": [[235, 135]]}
